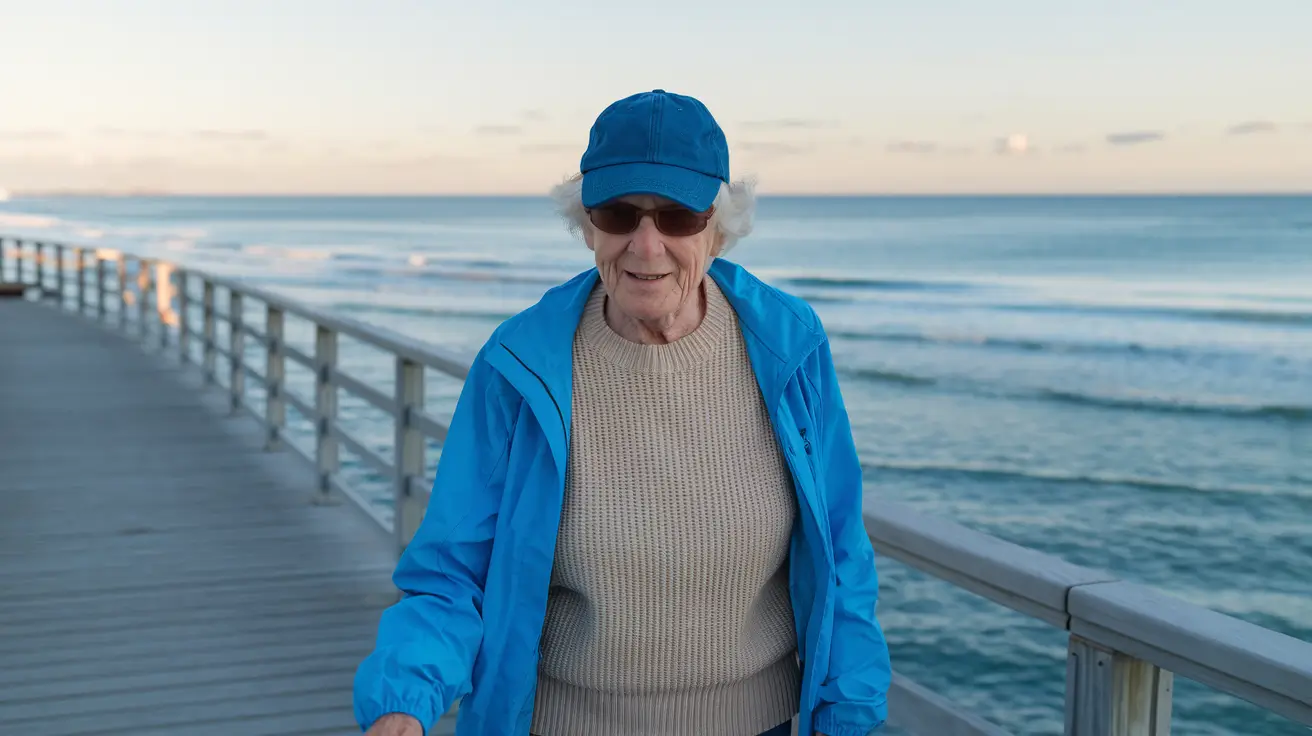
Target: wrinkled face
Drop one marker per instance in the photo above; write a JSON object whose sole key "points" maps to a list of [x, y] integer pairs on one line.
{"points": [[650, 276]]}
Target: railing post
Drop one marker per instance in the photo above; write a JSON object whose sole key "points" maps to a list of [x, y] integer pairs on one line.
{"points": [[100, 287], [59, 273], [325, 408], [143, 296], [80, 263], [38, 254], [163, 301], [2, 261], [121, 264], [1113, 694], [409, 448], [275, 407], [184, 312], [236, 351], [208, 355]]}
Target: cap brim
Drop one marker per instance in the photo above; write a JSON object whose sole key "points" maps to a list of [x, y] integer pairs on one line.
{"points": [[693, 190]]}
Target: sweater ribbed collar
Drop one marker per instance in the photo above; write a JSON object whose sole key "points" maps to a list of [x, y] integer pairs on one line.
{"points": [[686, 352]]}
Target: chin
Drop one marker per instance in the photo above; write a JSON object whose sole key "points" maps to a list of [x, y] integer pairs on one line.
{"points": [[643, 310]]}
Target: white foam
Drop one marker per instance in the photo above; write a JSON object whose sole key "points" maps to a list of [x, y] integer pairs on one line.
{"points": [[35, 222]]}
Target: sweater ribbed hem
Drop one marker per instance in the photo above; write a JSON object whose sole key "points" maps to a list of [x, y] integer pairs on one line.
{"points": [[690, 350], [744, 708]]}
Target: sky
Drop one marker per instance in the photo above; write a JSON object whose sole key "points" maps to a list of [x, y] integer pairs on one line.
{"points": [[496, 96]]}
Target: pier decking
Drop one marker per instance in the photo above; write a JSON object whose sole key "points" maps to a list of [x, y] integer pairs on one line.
{"points": [[160, 572]]}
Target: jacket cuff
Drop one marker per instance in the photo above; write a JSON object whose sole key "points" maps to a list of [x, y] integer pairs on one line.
{"points": [[422, 708], [827, 723]]}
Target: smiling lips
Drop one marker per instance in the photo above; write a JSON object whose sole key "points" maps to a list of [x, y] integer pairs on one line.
{"points": [[646, 276]]}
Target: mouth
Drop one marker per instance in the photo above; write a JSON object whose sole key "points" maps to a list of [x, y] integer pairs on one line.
{"points": [[647, 276]]}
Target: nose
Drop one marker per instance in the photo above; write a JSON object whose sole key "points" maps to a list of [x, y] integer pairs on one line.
{"points": [[646, 241]]}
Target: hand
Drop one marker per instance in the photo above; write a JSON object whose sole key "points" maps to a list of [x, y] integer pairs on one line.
{"points": [[396, 724]]}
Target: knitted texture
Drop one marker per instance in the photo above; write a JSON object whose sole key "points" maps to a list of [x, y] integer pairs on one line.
{"points": [[669, 611]]}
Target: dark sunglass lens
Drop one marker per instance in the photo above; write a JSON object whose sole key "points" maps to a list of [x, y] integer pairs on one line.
{"points": [[616, 219], [679, 221]]}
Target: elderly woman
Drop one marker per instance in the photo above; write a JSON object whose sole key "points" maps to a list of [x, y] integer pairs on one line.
{"points": [[647, 516]]}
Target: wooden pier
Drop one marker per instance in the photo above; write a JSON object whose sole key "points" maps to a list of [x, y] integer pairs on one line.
{"points": [[170, 564], [160, 572]]}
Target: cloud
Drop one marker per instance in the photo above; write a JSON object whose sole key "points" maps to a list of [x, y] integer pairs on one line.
{"points": [[111, 132], [550, 148], [1252, 126], [785, 124], [1072, 148], [491, 130], [34, 134], [28, 159], [232, 136], [773, 148], [134, 161], [1016, 144], [430, 159], [921, 147], [1135, 137], [533, 116]]}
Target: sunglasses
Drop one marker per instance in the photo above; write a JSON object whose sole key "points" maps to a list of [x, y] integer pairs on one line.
{"points": [[622, 218]]}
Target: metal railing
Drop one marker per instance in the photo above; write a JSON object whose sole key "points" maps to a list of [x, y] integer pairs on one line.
{"points": [[1125, 641]]}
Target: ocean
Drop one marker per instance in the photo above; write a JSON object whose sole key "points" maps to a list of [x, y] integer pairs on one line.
{"points": [[1122, 382]]}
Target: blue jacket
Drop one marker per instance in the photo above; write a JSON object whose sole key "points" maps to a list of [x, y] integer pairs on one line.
{"points": [[475, 577]]}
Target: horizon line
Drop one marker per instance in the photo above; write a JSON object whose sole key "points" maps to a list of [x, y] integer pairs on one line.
{"points": [[146, 193]]}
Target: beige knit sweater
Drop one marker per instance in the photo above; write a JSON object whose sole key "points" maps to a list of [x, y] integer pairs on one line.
{"points": [[669, 611]]}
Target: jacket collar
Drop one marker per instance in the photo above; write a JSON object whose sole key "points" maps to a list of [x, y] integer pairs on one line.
{"points": [[780, 331]]}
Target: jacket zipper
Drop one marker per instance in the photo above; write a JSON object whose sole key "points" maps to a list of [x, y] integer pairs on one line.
{"points": [[545, 389]]}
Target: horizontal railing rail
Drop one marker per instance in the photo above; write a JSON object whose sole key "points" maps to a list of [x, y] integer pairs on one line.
{"points": [[1125, 641]]}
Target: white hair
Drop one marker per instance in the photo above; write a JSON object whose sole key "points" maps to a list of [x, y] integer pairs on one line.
{"points": [[735, 207]]}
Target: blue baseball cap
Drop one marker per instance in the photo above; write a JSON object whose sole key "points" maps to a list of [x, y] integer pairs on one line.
{"points": [[656, 143]]}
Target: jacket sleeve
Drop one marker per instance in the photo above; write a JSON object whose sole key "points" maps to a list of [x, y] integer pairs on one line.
{"points": [[854, 696], [427, 642]]}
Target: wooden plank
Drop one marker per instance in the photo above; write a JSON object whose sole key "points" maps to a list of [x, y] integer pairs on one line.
{"points": [[47, 691], [183, 696], [355, 627], [28, 606], [274, 574], [363, 616], [79, 670], [164, 617], [331, 722], [240, 593], [234, 710]]}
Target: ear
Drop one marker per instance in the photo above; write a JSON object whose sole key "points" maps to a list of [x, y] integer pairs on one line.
{"points": [[717, 245], [588, 234]]}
